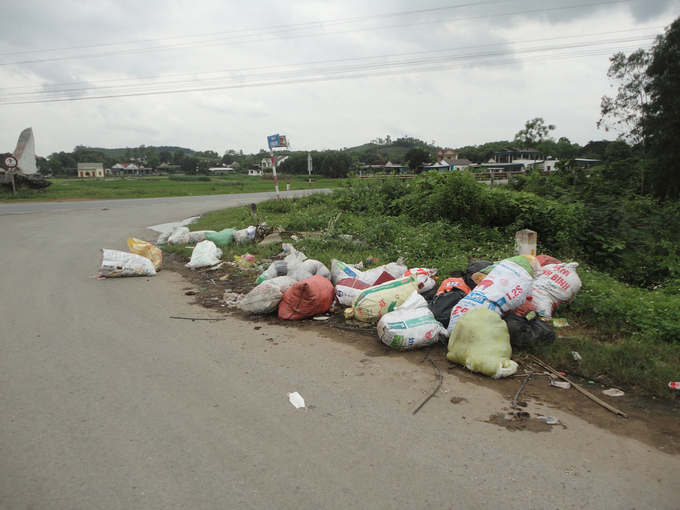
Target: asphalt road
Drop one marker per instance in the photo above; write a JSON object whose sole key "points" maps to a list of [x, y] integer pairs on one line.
{"points": [[106, 402]]}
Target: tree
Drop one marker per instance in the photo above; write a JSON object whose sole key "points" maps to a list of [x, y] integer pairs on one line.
{"points": [[535, 131], [662, 121], [416, 157], [624, 113], [165, 156], [177, 157]]}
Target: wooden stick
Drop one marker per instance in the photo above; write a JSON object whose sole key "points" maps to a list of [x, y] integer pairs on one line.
{"points": [[514, 401], [441, 377], [577, 387]]}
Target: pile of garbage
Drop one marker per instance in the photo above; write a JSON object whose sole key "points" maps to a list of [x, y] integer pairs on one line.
{"points": [[482, 312]]}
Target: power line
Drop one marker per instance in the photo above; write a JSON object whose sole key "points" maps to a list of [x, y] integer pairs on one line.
{"points": [[234, 39], [346, 70]]}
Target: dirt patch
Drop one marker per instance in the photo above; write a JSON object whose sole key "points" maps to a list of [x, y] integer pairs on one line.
{"points": [[652, 421]]}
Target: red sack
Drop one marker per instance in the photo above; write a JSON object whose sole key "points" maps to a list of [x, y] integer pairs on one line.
{"points": [[544, 260], [306, 298]]}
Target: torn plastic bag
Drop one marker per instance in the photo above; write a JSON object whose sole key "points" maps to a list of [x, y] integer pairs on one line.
{"points": [[309, 268], [221, 238], [205, 254], [528, 330], [347, 289], [558, 284], [410, 325], [371, 304], [266, 296], [177, 235], [481, 343], [147, 250], [245, 235], [120, 263], [306, 298]]}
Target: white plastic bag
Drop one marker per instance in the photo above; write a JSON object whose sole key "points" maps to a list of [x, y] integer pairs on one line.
{"points": [[558, 284], [245, 235], [309, 268], [194, 237], [120, 263], [411, 325], [340, 270], [177, 235], [266, 296], [505, 288], [205, 254]]}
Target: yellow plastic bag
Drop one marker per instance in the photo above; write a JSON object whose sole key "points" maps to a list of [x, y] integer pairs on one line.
{"points": [[481, 343], [147, 250]]}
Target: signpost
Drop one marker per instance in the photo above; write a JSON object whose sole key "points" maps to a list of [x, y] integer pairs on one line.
{"points": [[275, 141], [309, 168], [11, 163]]}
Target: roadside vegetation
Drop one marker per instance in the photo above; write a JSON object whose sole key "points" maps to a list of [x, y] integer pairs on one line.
{"points": [[625, 325]]}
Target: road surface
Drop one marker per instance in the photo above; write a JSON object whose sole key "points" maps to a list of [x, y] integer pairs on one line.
{"points": [[106, 402]]}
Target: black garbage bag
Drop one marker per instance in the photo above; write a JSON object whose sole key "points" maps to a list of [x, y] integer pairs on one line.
{"points": [[429, 294], [528, 330], [473, 268], [442, 305]]}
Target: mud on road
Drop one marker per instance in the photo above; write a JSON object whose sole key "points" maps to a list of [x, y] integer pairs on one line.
{"points": [[651, 421]]}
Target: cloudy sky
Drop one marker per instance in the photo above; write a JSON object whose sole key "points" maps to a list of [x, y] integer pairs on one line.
{"points": [[224, 74]]}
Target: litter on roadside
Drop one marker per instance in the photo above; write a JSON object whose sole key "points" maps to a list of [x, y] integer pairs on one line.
{"points": [[297, 400], [613, 392], [561, 384]]}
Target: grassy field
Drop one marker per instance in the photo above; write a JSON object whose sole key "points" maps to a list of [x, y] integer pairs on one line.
{"points": [[625, 335], [160, 186]]}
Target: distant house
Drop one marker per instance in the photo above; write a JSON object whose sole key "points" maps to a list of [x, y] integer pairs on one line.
{"points": [[513, 159], [90, 170], [254, 171], [446, 154], [129, 169], [267, 162], [448, 165]]}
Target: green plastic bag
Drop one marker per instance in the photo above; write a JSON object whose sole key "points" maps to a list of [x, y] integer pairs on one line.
{"points": [[481, 343], [221, 238]]}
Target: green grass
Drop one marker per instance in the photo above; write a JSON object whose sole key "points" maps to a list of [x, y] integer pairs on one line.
{"points": [[625, 335], [161, 186]]}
